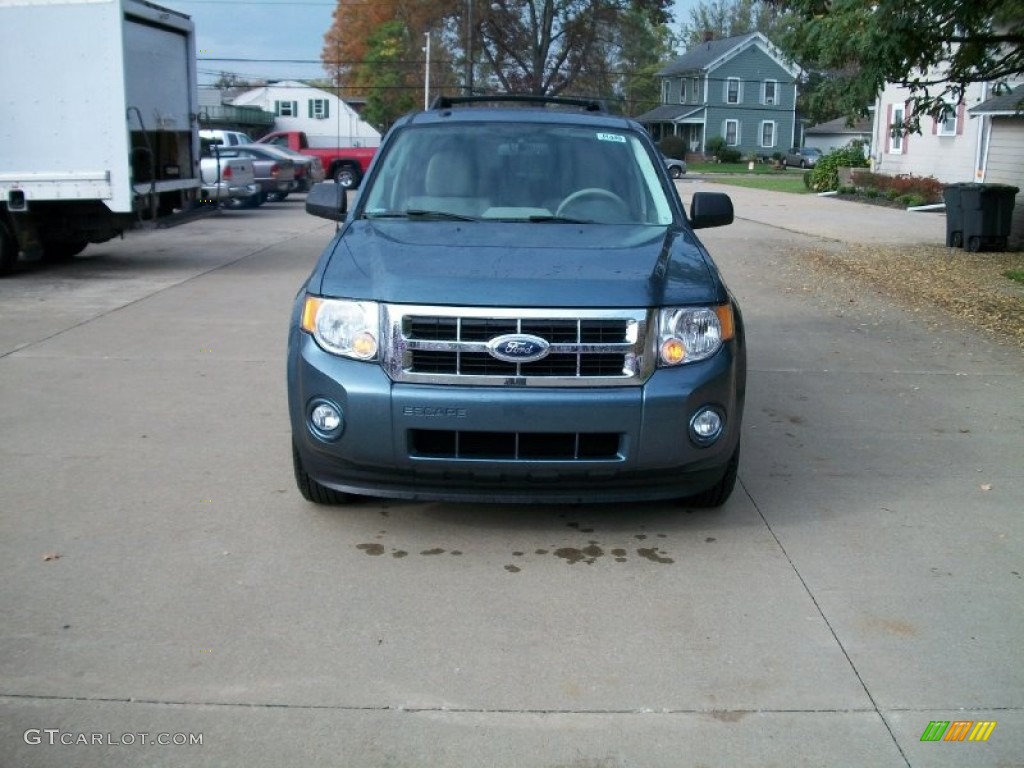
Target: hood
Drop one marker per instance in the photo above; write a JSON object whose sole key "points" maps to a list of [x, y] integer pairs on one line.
{"points": [[544, 264]]}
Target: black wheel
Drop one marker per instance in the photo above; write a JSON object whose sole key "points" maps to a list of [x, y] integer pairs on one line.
{"points": [[956, 240], [675, 172], [719, 493], [974, 244], [347, 176], [8, 250], [803, 164], [310, 489], [55, 252], [276, 197]]}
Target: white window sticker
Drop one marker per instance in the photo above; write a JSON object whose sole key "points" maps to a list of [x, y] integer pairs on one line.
{"points": [[611, 137]]}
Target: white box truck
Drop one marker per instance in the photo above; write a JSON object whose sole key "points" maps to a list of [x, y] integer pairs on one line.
{"points": [[98, 123]]}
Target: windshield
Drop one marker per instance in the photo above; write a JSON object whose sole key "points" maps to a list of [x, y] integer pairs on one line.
{"points": [[518, 172]]}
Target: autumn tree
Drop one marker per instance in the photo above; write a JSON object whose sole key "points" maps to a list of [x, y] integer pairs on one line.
{"points": [[936, 49], [375, 50]]}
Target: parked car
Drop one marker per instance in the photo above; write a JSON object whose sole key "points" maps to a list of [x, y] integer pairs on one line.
{"points": [[308, 169], [803, 157], [274, 174], [516, 309], [676, 168]]}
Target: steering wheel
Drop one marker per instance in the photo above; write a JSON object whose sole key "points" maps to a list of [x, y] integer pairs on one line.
{"points": [[596, 193]]}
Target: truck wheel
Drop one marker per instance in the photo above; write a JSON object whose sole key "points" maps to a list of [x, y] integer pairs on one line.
{"points": [[8, 250], [719, 493], [347, 176], [974, 244], [311, 490]]}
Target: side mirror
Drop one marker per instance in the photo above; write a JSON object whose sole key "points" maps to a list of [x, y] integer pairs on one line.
{"points": [[710, 209], [328, 201]]}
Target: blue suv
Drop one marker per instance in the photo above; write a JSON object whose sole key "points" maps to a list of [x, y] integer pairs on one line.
{"points": [[516, 309]]}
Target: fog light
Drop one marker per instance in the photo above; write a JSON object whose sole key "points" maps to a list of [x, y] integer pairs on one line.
{"points": [[325, 420], [706, 426]]}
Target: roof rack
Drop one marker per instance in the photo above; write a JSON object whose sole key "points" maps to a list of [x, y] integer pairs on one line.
{"points": [[588, 105]]}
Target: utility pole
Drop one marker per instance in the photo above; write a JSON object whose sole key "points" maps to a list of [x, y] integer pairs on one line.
{"points": [[469, 47], [426, 77]]}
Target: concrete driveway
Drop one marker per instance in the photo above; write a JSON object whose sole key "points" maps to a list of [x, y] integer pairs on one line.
{"points": [[164, 581]]}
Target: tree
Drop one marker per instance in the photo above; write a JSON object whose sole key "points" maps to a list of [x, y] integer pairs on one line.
{"points": [[728, 18], [544, 47], [936, 49], [643, 47]]}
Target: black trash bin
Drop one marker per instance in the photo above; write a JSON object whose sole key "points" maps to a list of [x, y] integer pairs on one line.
{"points": [[987, 211], [952, 195]]}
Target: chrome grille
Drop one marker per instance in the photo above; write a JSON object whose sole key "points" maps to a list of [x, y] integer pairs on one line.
{"points": [[587, 347]]}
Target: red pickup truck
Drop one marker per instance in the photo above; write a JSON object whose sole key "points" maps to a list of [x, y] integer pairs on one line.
{"points": [[346, 165]]}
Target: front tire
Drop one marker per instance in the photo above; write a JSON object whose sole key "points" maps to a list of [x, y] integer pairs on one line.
{"points": [[347, 176], [310, 489], [675, 173], [719, 493]]}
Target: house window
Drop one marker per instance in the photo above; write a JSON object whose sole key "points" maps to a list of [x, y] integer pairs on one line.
{"points": [[664, 91], [947, 121], [768, 133], [319, 109], [732, 90], [732, 132], [895, 130], [694, 90], [682, 91], [768, 92], [286, 108]]}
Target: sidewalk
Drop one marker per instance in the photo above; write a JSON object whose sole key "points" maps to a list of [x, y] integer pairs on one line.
{"points": [[826, 217]]}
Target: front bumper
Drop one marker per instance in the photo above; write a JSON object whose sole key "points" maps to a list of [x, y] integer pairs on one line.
{"points": [[403, 440]]}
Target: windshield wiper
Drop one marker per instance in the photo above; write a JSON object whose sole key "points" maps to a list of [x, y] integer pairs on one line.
{"points": [[417, 213], [559, 219]]}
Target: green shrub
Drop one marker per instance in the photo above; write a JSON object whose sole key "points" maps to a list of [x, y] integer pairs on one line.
{"points": [[891, 194], [714, 145], [730, 155], [914, 200], [807, 179], [777, 157], [825, 174], [673, 146], [871, 192], [847, 190]]}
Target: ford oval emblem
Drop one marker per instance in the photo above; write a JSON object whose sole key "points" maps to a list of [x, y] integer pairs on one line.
{"points": [[518, 348]]}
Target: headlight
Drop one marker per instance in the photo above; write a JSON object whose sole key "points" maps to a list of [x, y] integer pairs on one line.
{"points": [[346, 328], [688, 334]]}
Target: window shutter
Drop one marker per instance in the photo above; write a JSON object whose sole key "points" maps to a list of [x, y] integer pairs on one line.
{"points": [[327, 107], [960, 119], [309, 107], [888, 127], [277, 108]]}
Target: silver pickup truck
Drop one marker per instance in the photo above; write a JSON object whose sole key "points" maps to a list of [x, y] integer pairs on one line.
{"points": [[228, 178]]}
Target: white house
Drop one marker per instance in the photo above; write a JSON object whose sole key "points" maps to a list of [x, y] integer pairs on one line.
{"points": [[955, 149], [326, 119], [1001, 160]]}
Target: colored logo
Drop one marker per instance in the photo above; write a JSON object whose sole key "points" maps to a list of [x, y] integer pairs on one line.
{"points": [[958, 730], [518, 348]]}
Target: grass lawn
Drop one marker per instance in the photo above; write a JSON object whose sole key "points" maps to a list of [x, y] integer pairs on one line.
{"points": [[776, 183], [759, 168]]}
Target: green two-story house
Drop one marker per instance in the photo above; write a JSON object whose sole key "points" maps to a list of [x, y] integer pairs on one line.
{"points": [[739, 88]]}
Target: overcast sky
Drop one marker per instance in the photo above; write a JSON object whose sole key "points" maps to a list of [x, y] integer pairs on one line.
{"points": [[258, 30]]}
